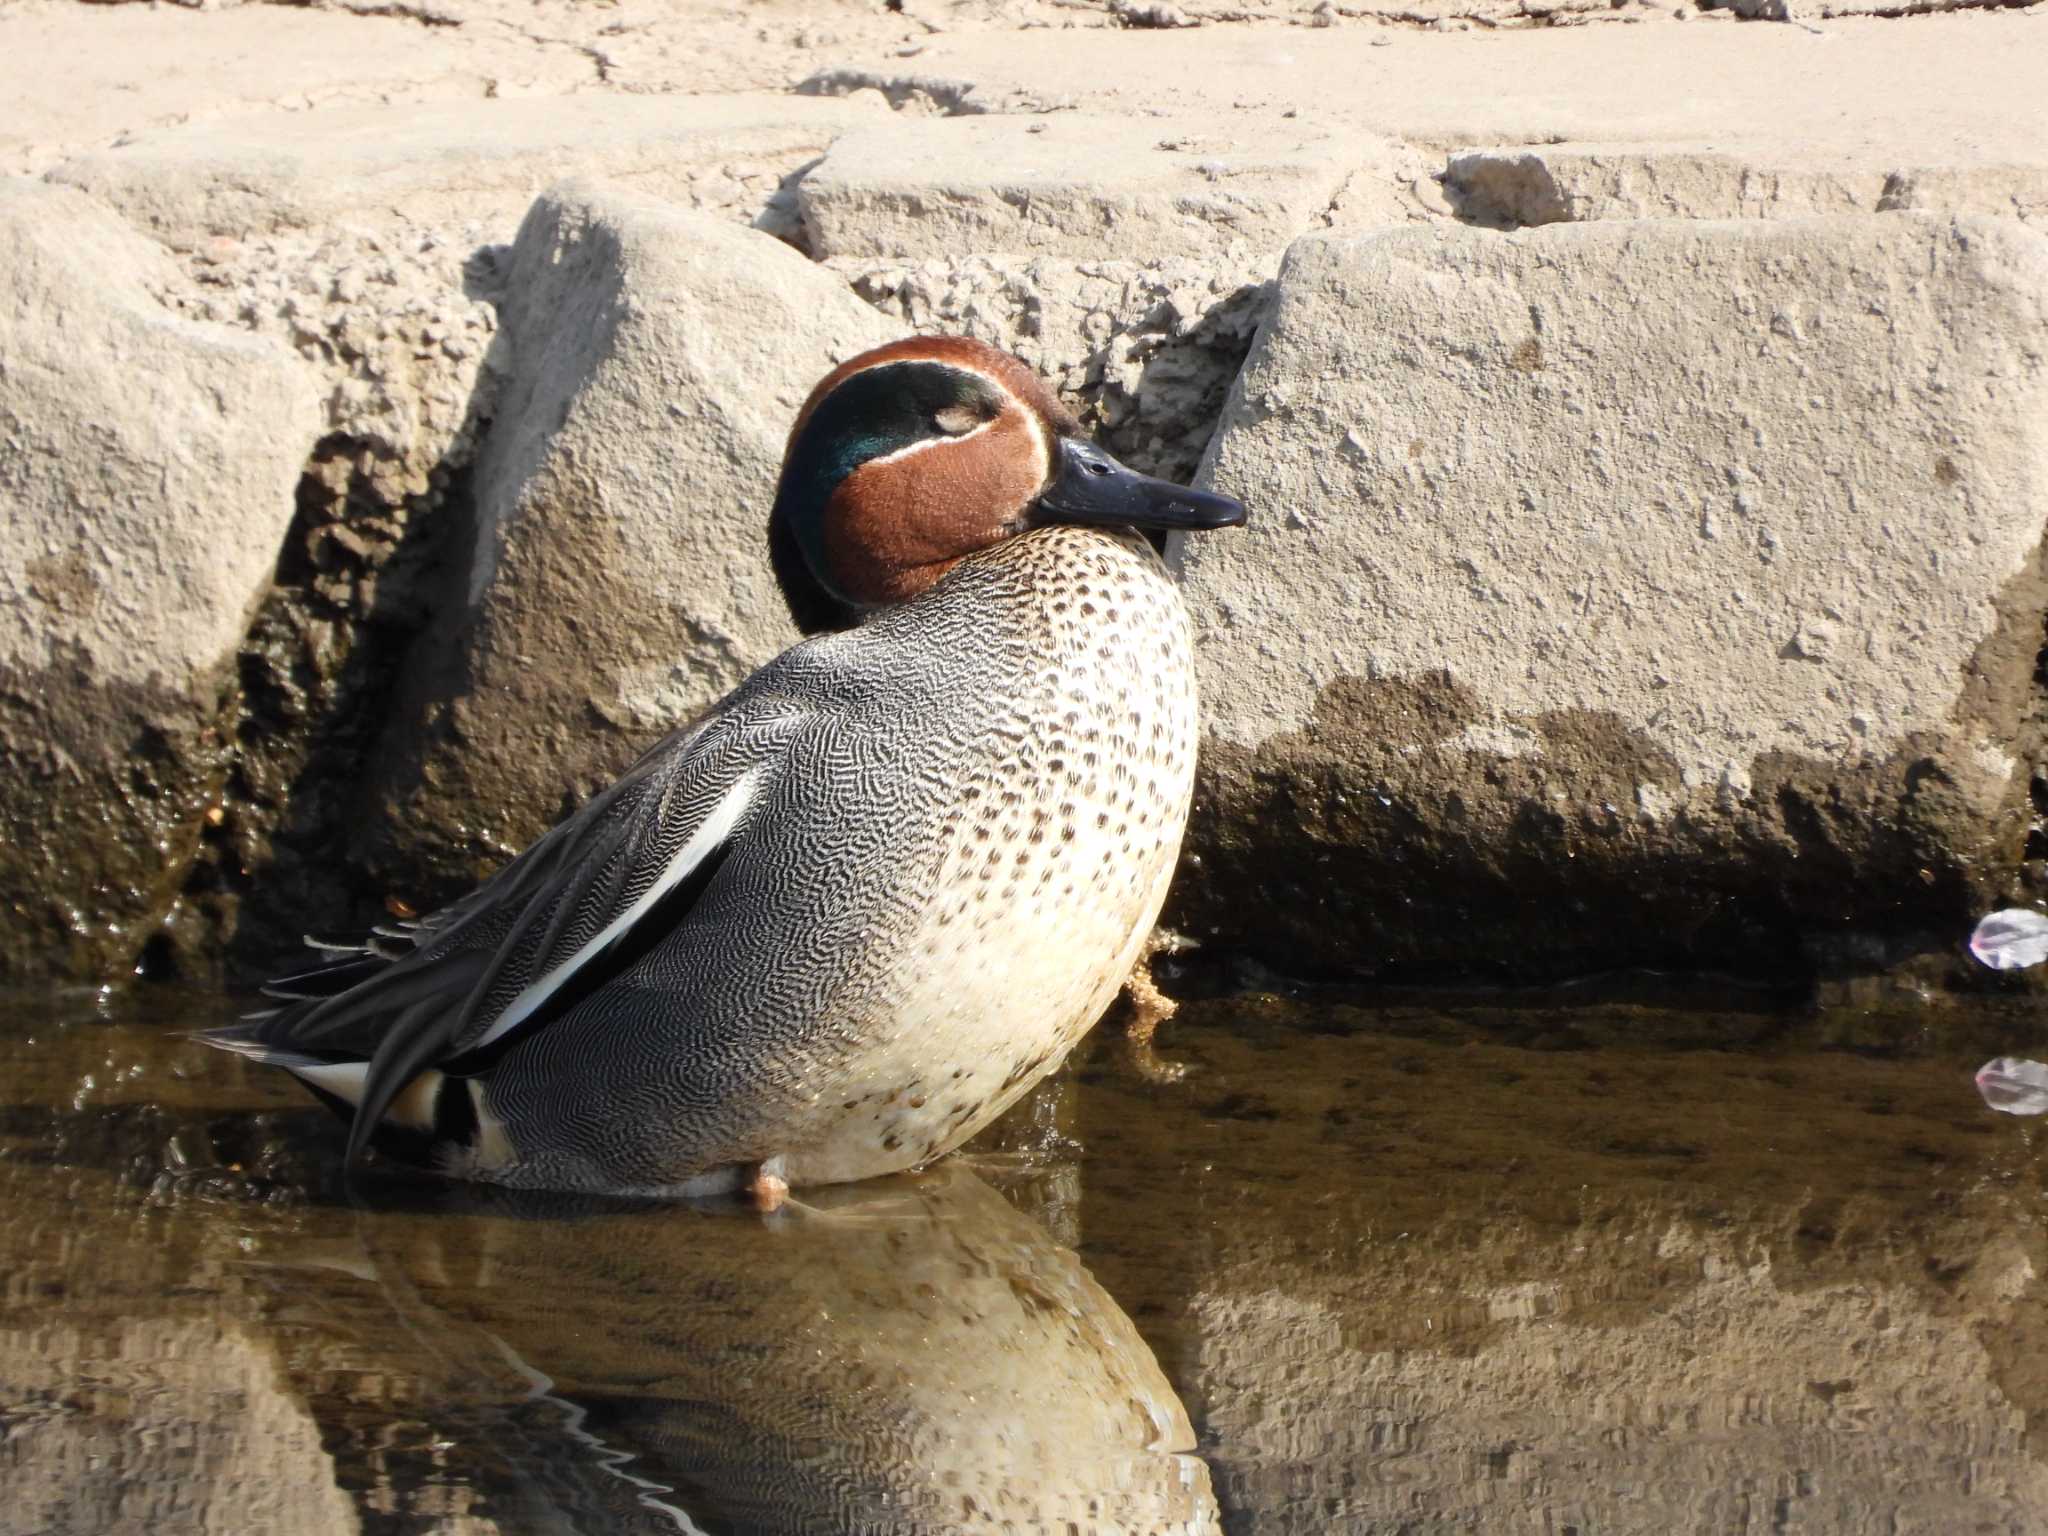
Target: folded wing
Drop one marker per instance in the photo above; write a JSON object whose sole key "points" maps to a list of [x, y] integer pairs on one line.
{"points": [[587, 899]]}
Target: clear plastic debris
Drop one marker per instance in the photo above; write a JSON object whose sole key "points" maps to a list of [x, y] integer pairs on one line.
{"points": [[2011, 940], [2014, 1086]]}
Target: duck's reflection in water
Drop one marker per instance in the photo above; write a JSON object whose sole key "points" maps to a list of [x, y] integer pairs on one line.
{"points": [[906, 1355]]}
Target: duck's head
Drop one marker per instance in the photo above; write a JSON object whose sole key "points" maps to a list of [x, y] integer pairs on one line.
{"points": [[907, 459]]}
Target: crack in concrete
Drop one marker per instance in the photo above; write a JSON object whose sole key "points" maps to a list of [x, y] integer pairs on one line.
{"points": [[601, 62], [425, 14]]}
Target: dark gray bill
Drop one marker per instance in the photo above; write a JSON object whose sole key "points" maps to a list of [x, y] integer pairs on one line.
{"points": [[1088, 486]]}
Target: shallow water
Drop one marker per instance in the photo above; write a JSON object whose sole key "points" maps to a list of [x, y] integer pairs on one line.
{"points": [[1402, 1266]]}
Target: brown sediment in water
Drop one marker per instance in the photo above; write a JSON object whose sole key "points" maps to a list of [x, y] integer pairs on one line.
{"points": [[1407, 1266], [1418, 1271]]}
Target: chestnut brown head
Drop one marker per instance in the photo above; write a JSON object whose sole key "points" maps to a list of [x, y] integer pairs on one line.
{"points": [[908, 458]]}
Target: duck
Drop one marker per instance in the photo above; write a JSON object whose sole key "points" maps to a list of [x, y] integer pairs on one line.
{"points": [[836, 925]]}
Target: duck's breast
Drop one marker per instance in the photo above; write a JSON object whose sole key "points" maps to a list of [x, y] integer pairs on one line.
{"points": [[1046, 859]]}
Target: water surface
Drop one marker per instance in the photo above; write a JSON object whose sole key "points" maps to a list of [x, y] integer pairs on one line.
{"points": [[1405, 1266]]}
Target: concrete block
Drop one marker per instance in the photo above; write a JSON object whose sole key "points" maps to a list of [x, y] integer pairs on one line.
{"points": [[1627, 592], [451, 164], [147, 470]]}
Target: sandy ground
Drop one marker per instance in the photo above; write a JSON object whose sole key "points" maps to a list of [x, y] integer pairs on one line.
{"points": [[1967, 85], [1962, 88]]}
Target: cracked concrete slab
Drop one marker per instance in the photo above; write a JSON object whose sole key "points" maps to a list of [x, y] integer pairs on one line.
{"points": [[1932, 89], [1525, 186], [1076, 184], [456, 164]]}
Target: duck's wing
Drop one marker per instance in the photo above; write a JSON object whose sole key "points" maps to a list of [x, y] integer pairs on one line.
{"points": [[573, 910]]}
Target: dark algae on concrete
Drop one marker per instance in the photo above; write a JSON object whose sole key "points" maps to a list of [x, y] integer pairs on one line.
{"points": [[1540, 867]]}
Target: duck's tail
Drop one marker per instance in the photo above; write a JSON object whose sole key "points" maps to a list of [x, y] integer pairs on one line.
{"points": [[433, 1119], [432, 1114]]}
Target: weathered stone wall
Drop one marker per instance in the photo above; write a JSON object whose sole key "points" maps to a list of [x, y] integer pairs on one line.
{"points": [[1658, 587], [147, 483], [1592, 596]]}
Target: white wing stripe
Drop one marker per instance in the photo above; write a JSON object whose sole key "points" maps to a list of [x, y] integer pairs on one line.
{"points": [[715, 829]]}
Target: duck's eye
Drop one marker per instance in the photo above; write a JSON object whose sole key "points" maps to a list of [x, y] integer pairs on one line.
{"points": [[957, 420]]}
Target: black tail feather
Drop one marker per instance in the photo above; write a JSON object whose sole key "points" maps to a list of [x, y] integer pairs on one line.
{"points": [[328, 980]]}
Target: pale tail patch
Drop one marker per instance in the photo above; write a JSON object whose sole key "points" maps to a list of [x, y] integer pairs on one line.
{"points": [[492, 1148], [413, 1109]]}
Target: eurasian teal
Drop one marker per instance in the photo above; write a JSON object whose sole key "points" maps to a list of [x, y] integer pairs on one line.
{"points": [[841, 922]]}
